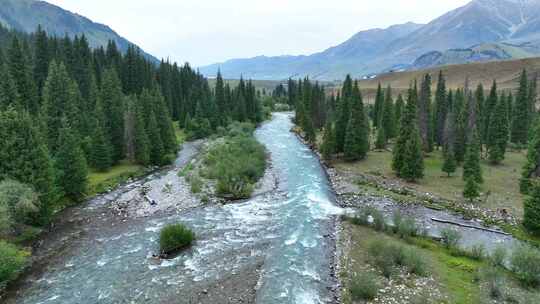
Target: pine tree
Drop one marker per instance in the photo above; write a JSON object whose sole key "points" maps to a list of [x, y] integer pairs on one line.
{"points": [[8, 90], [42, 58], [113, 106], [328, 147], [388, 116], [381, 141], [378, 106], [490, 104], [424, 113], [19, 68], [471, 190], [498, 132], [407, 159], [71, 163], [141, 140], [460, 135], [24, 157], [480, 103], [441, 110], [357, 138], [531, 218], [471, 166], [156, 144], [449, 165], [531, 169], [343, 114], [100, 153], [520, 114], [400, 105]]}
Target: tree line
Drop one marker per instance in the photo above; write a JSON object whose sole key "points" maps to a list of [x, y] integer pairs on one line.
{"points": [[466, 124], [66, 108]]}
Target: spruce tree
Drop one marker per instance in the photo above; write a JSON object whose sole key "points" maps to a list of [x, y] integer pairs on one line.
{"points": [[328, 147], [498, 132], [531, 169], [141, 140], [460, 136], [407, 159], [490, 104], [400, 105], [42, 58], [441, 110], [156, 144], [424, 113], [480, 103], [343, 114], [471, 190], [19, 68], [471, 166], [71, 163], [521, 113], [531, 217], [100, 153], [8, 90], [388, 116], [378, 106], [113, 106], [381, 141], [449, 165], [357, 137]]}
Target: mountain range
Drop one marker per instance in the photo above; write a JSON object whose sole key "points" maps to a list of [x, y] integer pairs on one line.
{"points": [[26, 15], [482, 30]]}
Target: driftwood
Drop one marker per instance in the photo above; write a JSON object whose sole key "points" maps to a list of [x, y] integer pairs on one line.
{"points": [[470, 226]]}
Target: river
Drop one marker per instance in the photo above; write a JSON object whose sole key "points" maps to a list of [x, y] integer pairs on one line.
{"points": [[282, 242]]}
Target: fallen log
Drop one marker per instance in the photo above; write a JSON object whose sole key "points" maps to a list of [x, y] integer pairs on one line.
{"points": [[469, 226]]}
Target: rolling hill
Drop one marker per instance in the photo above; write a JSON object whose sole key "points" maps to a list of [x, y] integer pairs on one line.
{"points": [[26, 15]]}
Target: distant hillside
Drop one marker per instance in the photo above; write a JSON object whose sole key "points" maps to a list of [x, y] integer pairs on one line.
{"points": [[26, 15], [506, 73], [495, 24]]}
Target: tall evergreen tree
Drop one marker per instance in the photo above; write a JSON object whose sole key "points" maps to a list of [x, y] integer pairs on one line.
{"points": [[424, 113], [471, 190], [328, 147], [357, 138], [449, 165], [141, 140], [378, 106], [441, 110], [498, 132], [521, 113], [531, 169], [531, 217], [343, 114], [388, 117], [480, 104], [19, 68], [71, 163], [100, 152], [460, 136], [113, 106], [471, 167], [408, 160], [490, 104], [156, 143], [400, 105], [42, 58]]}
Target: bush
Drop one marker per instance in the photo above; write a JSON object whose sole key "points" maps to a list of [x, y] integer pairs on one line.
{"points": [[12, 261], [196, 184], [237, 164], [450, 238], [498, 256], [382, 255], [477, 252], [386, 255], [364, 287], [407, 228], [495, 281], [397, 218], [20, 201], [525, 263], [415, 262], [174, 237]]}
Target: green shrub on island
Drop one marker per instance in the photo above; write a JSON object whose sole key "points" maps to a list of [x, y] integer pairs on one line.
{"points": [[12, 262], [237, 163], [175, 237]]}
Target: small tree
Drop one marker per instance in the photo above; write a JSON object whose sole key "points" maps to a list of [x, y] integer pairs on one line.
{"points": [[380, 143], [471, 190], [449, 165], [328, 147], [531, 219], [471, 167]]}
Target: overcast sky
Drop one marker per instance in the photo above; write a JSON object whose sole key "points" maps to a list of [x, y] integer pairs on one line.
{"points": [[209, 31]]}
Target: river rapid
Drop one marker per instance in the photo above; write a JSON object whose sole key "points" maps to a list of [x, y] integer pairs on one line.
{"points": [[279, 245]]}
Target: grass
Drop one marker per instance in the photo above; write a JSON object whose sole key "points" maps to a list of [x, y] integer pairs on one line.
{"points": [[179, 133], [99, 182], [500, 189], [175, 237]]}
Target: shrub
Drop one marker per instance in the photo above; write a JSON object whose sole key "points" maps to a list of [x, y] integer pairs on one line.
{"points": [[408, 228], [364, 287], [196, 184], [382, 256], [237, 164], [174, 237], [12, 261], [495, 281], [525, 263], [20, 200], [378, 220], [386, 255], [477, 252], [415, 262], [450, 238], [498, 256], [397, 218]]}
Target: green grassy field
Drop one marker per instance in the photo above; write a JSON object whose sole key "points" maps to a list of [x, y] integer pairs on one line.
{"points": [[99, 182], [500, 189], [456, 277]]}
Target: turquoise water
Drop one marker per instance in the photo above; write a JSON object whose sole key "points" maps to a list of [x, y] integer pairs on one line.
{"points": [[287, 231]]}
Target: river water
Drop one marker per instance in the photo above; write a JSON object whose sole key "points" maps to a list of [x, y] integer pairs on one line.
{"points": [[287, 235]]}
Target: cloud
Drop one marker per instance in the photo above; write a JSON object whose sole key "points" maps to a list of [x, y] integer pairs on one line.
{"points": [[208, 31]]}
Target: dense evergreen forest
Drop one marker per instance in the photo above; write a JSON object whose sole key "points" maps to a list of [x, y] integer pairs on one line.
{"points": [[467, 124], [66, 108]]}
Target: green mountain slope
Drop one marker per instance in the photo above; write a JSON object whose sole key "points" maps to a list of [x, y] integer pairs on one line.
{"points": [[26, 15]]}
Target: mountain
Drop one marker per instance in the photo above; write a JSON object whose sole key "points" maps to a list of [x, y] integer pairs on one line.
{"points": [[480, 53], [330, 64], [26, 15], [480, 22]]}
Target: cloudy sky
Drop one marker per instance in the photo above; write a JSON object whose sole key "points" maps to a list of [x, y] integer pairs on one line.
{"points": [[209, 31]]}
